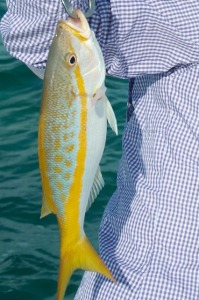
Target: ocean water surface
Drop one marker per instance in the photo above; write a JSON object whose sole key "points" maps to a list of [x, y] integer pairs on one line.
{"points": [[29, 247]]}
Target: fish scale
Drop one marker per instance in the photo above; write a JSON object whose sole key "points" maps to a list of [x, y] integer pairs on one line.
{"points": [[61, 170]]}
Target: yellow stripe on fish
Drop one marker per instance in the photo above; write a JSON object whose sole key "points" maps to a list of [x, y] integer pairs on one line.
{"points": [[72, 211]]}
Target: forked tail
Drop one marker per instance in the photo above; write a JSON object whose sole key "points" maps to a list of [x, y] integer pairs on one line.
{"points": [[80, 255]]}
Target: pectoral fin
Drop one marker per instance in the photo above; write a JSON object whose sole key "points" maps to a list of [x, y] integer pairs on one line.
{"points": [[111, 117], [98, 184]]}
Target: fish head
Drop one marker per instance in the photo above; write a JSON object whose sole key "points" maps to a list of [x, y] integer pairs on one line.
{"points": [[76, 55]]}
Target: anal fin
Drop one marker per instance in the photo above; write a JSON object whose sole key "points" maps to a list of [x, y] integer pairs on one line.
{"points": [[98, 184]]}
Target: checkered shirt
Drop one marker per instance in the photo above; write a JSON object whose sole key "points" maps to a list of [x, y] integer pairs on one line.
{"points": [[149, 234]]}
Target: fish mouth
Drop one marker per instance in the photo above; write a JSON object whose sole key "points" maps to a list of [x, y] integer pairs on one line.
{"points": [[78, 25]]}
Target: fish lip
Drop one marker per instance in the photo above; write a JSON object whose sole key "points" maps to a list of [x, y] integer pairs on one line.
{"points": [[79, 25]]}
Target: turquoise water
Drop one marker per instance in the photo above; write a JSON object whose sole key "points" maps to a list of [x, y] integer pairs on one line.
{"points": [[29, 247]]}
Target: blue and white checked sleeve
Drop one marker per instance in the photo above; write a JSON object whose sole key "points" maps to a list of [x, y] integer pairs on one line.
{"points": [[137, 37]]}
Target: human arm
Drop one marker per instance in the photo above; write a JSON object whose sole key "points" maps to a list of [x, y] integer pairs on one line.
{"points": [[136, 37]]}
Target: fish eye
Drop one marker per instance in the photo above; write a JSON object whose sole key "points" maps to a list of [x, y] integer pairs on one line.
{"points": [[71, 59]]}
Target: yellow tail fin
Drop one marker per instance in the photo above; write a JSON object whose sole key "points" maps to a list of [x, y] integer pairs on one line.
{"points": [[80, 256]]}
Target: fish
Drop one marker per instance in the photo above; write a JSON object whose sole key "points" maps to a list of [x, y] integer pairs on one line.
{"points": [[71, 140]]}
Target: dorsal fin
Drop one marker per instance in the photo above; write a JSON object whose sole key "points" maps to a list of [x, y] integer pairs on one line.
{"points": [[45, 210], [98, 184]]}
